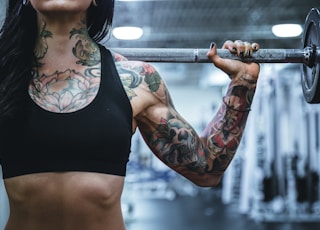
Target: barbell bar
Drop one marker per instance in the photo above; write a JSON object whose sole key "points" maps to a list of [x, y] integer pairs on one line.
{"points": [[308, 56]]}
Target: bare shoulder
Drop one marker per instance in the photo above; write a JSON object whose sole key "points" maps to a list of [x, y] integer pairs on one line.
{"points": [[118, 57], [140, 78]]}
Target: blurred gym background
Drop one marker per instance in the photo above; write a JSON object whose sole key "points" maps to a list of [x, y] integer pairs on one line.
{"points": [[273, 182]]}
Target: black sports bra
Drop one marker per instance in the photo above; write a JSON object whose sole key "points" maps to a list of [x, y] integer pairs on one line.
{"points": [[96, 138]]}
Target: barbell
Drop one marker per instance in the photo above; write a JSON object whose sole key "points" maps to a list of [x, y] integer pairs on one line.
{"points": [[308, 56]]}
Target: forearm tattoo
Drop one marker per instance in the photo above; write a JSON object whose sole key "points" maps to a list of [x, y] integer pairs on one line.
{"points": [[224, 132]]}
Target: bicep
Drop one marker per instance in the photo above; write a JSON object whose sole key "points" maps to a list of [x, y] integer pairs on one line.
{"points": [[170, 137], [177, 145]]}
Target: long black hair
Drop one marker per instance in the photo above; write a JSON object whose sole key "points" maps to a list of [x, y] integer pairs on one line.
{"points": [[17, 40]]}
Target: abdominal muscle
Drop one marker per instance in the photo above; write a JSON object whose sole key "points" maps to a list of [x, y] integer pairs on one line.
{"points": [[65, 201]]}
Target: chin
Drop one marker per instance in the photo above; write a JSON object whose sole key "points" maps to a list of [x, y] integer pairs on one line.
{"points": [[56, 6]]}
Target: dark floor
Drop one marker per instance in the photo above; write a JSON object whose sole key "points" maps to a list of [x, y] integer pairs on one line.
{"points": [[205, 211]]}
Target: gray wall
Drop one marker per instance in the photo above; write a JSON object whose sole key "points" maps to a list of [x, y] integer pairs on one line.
{"points": [[4, 206], [2, 9]]}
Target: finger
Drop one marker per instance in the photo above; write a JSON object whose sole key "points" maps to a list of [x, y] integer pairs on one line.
{"points": [[212, 51], [230, 46], [255, 46], [247, 49], [240, 47], [216, 60], [228, 66]]}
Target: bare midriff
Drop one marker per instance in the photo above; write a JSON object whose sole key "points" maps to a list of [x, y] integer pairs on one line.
{"points": [[65, 201]]}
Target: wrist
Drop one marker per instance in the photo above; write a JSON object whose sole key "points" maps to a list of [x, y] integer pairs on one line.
{"points": [[249, 79], [246, 80]]}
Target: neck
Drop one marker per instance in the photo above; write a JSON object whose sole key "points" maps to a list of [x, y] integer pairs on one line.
{"points": [[65, 39]]}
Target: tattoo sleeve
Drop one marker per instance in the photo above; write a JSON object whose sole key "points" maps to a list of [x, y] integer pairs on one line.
{"points": [[174, 141], [178, 145], [224, 132]]}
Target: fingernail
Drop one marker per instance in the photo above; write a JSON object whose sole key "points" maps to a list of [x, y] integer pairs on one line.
{"points": [[212, 45]]}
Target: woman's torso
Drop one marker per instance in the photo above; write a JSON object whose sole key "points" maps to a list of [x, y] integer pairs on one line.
{"points": [[66, 200]]}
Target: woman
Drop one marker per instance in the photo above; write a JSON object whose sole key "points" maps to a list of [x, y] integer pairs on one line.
{"points": [[68, 109]]}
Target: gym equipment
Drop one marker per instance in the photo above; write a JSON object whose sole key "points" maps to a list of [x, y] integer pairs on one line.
{"points": [[309, 56]]}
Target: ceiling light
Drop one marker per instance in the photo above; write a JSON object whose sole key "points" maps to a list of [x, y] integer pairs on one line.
{"points": [[127, 33], [287, 30]]}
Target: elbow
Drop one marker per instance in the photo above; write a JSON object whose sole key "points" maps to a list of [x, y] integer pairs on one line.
{"points": [[207, 180]]}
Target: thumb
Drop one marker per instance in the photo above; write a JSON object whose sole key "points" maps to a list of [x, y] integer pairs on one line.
{"points": [[212, 53], [226, 65]]}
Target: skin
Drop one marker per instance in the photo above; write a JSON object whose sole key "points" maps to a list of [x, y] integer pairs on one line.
{"points": [[83, 200]]}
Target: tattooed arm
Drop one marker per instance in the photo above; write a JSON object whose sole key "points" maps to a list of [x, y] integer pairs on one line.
{"points": [[201, 159]]}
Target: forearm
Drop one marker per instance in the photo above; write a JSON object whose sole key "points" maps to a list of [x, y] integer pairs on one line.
{"points": [[223, 134]]}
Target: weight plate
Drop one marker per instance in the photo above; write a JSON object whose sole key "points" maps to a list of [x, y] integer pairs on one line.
{"points": [[310, 74]]}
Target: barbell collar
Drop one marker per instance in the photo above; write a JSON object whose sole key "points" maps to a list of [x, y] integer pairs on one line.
{"points": [[308, 55]]}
